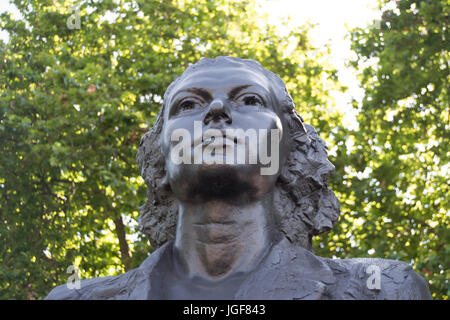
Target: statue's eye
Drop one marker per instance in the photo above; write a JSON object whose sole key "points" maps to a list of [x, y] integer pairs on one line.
{"points": [[252, 100], [188, 105]]}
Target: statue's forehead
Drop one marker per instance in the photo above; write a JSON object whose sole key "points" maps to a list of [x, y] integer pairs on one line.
{"points": [[224, 77]]}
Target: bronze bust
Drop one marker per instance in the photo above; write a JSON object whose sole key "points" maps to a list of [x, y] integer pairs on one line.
{"points": [[225, 230]]}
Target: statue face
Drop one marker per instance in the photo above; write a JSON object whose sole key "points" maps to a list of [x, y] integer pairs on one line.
{"points": [[238, 107]]}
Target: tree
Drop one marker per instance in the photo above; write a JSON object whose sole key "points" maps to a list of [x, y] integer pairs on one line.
{"points": [[74, 103], [395, 178]]}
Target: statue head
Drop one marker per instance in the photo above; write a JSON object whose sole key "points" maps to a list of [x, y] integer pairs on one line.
{"points": [[223, 94]]}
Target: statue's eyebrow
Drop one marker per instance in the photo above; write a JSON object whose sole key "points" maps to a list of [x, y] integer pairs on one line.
{"points": [[201, 92], [235, 91]]}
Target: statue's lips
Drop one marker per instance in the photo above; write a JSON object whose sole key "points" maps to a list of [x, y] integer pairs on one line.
{"points": [[223, 141], [218, 142]]}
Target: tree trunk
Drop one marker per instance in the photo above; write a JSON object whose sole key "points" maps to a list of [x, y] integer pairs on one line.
{"points": [[124, 249]]}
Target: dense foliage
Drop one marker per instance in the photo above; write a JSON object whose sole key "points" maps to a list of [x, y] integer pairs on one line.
{"points": [[75, 102], [394, 182]]}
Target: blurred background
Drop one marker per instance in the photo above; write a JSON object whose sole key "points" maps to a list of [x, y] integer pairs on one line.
{"points": [[82, 81]]}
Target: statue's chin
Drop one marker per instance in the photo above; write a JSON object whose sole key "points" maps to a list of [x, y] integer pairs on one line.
{"points": [[204, 182]]}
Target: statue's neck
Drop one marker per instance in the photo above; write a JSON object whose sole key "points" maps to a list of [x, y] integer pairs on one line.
{"points": [[215, 239]]}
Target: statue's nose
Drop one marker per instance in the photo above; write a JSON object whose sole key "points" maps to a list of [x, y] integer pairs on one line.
{"points": [[218, 110]]}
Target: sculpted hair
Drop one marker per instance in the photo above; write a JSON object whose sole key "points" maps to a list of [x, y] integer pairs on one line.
{"points": [[304, 205]]}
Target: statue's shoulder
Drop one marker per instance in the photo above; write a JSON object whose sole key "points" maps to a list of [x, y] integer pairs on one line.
{"points": [[86, 289], [380, 279], [134, 284]]}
